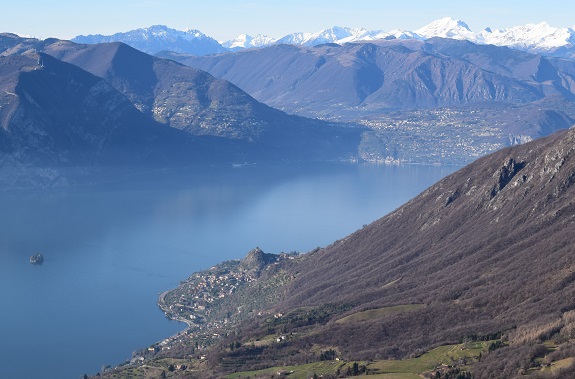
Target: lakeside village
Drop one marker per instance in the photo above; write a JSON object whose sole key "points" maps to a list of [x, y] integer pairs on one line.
{"points": [[202, 302], [447, 136]]}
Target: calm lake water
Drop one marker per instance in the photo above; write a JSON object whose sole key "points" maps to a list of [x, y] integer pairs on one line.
{"points": [[111, 249]]}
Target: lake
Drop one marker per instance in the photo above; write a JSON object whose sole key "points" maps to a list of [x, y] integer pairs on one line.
{"points": [[111, 249]]}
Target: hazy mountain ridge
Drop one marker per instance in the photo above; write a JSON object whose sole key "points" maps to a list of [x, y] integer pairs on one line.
{"points": [[192, 101], [156, 38]]}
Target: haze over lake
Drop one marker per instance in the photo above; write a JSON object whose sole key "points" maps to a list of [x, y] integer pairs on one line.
{"points": [[111, 249]]}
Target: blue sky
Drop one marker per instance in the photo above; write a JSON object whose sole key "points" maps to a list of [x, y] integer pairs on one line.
{"points": [[225, 19]]}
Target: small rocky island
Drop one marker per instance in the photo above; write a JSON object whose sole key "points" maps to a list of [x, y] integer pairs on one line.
{"points": [[37, 259]]}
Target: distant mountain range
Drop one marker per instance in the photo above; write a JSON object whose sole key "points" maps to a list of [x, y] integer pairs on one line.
{"points": [[244, 41], [387, 92], [535, 38], [395, 100]]}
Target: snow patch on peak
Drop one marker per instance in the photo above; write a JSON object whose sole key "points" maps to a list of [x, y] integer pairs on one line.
{"points": [[295, 38], [245, 41], [194, 32], [160, 37], [330, 35], [534, 37], [447, 27], [403, 34]]}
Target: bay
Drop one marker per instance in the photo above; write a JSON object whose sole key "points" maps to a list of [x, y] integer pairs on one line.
{"points": [[110, 249]]}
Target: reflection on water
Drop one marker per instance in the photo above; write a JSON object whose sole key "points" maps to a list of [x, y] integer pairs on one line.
{"points": [[110, 249]]}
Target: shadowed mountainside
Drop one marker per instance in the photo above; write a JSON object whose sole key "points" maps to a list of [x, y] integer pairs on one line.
{"points": [[55, 113]]}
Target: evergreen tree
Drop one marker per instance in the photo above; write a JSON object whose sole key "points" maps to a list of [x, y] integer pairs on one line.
{"points": [[355, 369]]}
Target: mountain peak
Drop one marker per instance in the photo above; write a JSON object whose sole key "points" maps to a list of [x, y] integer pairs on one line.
{"points": [[245, 41], [163, 31], [331, 34], [536, 38], [156, 38], [337, 29], [256, 260], [157, 27], [446, 27]]}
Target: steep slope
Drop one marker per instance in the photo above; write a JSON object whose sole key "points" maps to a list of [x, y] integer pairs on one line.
{"points": [[156, 38], [359, 78], [176, 95], [489, 248], [495, 216], [61, 125], [54, 113]]}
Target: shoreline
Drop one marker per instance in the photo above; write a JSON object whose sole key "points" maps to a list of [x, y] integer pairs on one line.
{"points": [[163, 307]]}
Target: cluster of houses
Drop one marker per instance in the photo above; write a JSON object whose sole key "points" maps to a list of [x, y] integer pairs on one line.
{"points": [[192, 299]]}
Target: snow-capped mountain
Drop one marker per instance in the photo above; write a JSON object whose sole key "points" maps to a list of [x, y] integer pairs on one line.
{"points": [[330, 35], [245, 41], [156, 38], [533, 37], [336, 34], [536, 38], [446, 28]]}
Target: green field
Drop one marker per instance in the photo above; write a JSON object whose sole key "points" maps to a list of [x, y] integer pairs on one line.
{"points": [[395, 376], [384, 369], [296, 372], [428, 361]]}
